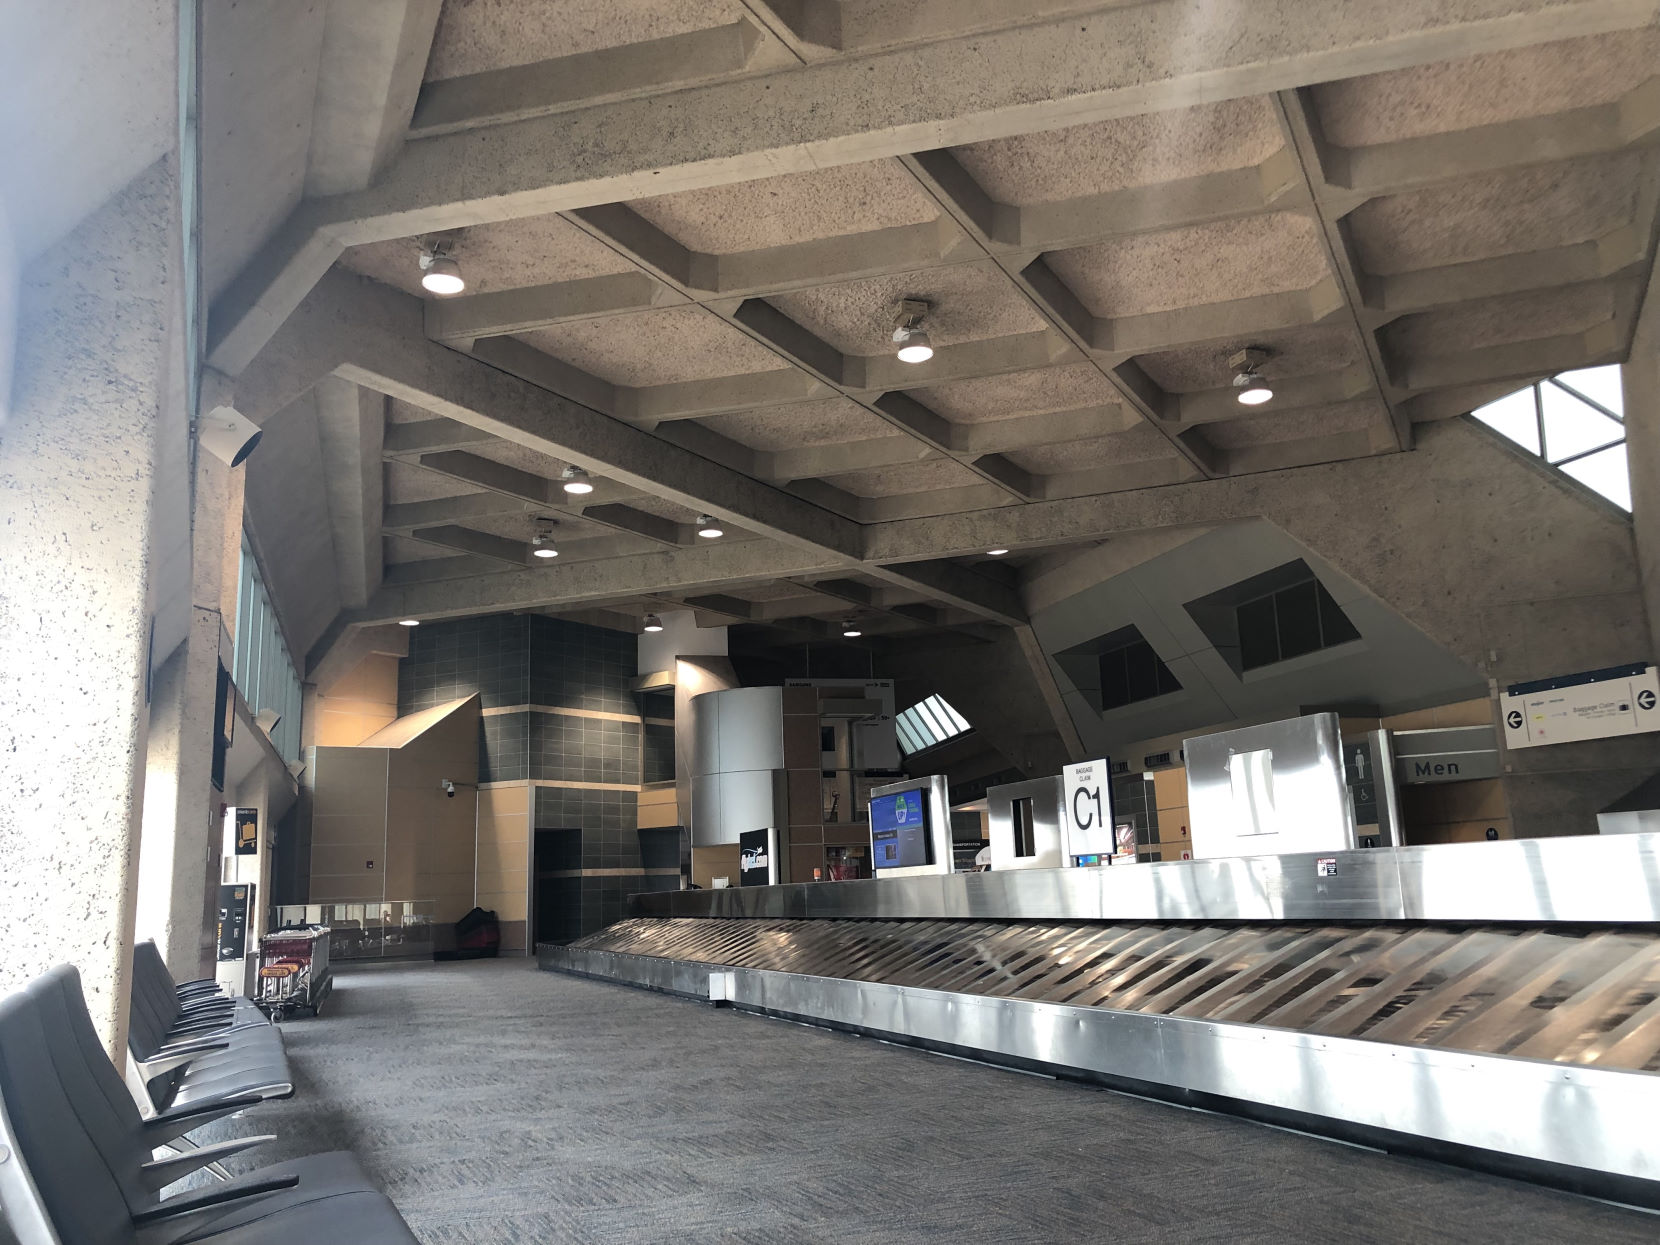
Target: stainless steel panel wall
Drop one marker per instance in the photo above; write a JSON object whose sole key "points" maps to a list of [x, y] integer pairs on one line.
{"points": [[737, 758], [1048, 837], [1596, 879], [1272, 788]]}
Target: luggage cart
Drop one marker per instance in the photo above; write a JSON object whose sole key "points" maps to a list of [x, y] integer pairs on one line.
{"points": [[294, 974]]}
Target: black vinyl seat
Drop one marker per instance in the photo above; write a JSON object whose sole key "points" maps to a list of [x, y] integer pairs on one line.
{"points": [[83, 1174], [204, 1046]]}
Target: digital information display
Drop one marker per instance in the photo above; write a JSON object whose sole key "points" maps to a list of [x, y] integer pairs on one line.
{"points": [[899, 836]]}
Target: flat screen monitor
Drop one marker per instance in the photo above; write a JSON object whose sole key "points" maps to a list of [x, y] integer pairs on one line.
{"points": [[899, 831]]}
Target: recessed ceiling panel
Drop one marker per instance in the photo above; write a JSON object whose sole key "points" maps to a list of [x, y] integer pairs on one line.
{"points": [[794, 208], [984, 399], [1496, 321], [656, 347], [830, 422], [971, 302], [537, 250], [1495, 214], [1293, 352], [1312, 421], [1212, 263], [1487, 89], [478, 35], [934, 473], [1127, 151], [1141, 444]]}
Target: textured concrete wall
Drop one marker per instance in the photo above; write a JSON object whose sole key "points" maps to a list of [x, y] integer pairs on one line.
{"points": [[177, 873], [98, 315]]}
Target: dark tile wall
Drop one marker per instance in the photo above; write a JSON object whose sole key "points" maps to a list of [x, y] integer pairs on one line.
{"points": [[529, 660], [490, 656], [567, 749]]}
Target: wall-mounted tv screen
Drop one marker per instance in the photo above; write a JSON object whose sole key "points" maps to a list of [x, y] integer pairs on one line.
{"points": [[899, 836]]}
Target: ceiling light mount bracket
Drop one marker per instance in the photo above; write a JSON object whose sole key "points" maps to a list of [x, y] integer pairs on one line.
{"points": [[908, 333], [1252, 389]]}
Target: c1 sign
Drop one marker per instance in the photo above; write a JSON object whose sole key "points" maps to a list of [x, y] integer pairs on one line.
{"points": [[1087, 810], [1622, 700]]}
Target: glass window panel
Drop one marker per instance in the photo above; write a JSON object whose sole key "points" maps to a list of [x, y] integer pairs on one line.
{"points": [[1298, 608], [1115, 680], [1600, 384], [907, 738], [936, 729], [1335, 627], [1606, 472], [1572, 427], [1258, 645], [1513, 417], [1143, 672], [957, 719]]}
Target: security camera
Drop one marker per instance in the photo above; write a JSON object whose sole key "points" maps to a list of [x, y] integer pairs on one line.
{"points": [[449, 788], [227, 434]]}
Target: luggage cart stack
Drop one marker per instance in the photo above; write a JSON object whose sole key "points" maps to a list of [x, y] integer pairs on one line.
{"points": [[294, 974]]}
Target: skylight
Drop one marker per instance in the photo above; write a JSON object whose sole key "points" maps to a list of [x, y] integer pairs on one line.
{"points": [[1575, 422], [927, 723]]}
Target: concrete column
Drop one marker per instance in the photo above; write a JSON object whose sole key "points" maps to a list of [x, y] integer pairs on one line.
{"points": [[99, 371], [182, 823], [1641, 375]]}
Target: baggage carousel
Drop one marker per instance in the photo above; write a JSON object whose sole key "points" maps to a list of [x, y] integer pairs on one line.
{"points": [[1495, 1004]]}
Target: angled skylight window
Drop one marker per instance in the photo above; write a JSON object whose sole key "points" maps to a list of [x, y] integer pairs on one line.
{"points": [[927, 723], [1574, 422]]}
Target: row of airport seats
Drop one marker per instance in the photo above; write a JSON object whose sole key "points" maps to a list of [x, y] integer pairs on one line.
{"points": [[78, 1149]]}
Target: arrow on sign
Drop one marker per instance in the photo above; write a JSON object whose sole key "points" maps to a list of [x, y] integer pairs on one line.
{"points": [[1513, 719]]}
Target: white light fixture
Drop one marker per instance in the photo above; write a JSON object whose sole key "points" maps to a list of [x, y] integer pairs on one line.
{"points": [[652, 623], [541, 544], [996, 553], [1253, 389], [850, 630], [576, 480], [908, 333], [440, 274], [708, 528], [409, 622]]}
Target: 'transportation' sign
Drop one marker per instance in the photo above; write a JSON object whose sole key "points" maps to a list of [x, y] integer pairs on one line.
{"points": [[1622, 700]]}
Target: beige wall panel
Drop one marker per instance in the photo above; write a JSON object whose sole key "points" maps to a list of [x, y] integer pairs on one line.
{"points": [[499, 856], [361, 830], [349, 780], [717, 861], [493, 801]]}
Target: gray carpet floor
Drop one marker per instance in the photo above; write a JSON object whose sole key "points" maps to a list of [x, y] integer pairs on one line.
{"points": [[499, 1104]]}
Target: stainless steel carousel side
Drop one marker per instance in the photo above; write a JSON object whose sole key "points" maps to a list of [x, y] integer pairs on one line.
{"points": [[1497, 1003]]}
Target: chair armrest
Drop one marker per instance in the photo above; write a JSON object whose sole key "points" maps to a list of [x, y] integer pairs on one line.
{"points": [[157, 1174], [214, 1195], [175, 1122], [150, 1069]]}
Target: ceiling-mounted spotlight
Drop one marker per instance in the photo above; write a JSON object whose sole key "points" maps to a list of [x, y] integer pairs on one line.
{"points": [[996, 553], [708, 528], [541, 544], [908, 333], [409, 622], [576, 480], [1247, 364], [652, 623], [440, 274], [850, 630]]}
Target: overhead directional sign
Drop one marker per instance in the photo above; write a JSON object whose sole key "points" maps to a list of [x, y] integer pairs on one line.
{"points": [[1087, 810], [1599, 704]]}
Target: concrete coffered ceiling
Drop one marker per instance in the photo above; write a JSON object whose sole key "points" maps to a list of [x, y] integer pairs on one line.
{"points": [[685, 228]]}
